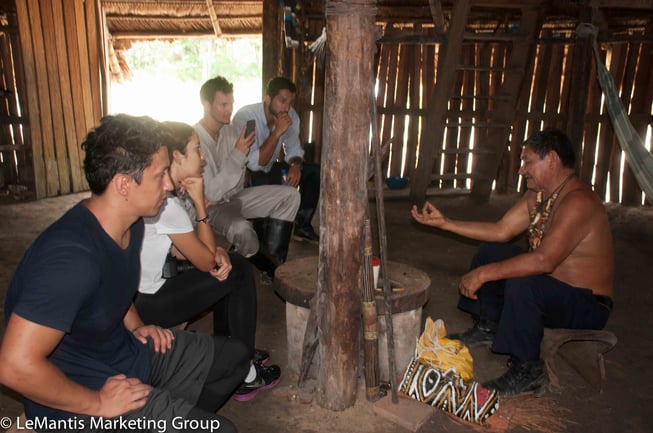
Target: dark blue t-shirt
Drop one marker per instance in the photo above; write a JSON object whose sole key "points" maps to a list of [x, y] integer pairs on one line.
{"points": [[76, 279]]}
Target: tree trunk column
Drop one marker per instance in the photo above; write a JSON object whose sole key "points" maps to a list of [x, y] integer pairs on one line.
{"points": [[346, 132]]}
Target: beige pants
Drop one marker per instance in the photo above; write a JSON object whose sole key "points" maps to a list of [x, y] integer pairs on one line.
{"points": [[231, 219]]}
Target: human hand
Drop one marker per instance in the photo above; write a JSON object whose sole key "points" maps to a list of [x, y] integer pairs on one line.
{"points": [[162, 338], [243, 144], [294, 175], [222, 265], [194, 186], [429, 216], [120, 395], [283, 123], [470, 283]]}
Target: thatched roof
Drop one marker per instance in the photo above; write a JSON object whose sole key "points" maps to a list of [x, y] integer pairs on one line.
{"points": [[144, 19]]}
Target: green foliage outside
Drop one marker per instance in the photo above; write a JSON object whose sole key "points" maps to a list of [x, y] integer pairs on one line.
{"points": [[197, 59]]}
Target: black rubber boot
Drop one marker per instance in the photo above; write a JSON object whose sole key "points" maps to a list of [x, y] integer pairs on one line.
{"points": [[303, 228], [277, 238], [264, 264], [482, 333], [522, 377]]}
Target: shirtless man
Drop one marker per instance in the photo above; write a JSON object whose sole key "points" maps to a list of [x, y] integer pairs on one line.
{"points": [[565, 278]]}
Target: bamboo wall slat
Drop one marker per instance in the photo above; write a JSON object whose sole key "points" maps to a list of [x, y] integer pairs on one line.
{"points": [[591, 130], [51, 59], [468, 58], [629, 190]]}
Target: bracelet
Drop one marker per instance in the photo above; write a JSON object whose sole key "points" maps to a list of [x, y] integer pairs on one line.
{"points": [[202, 220]]}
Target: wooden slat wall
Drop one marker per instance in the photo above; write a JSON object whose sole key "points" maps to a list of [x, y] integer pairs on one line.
{"points": [[406, 78], [59, 45], [16, 168], [58, 76]]}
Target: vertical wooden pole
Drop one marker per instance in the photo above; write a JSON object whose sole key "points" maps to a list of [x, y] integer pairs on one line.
{"points": [[271, 39], [348, 87]]}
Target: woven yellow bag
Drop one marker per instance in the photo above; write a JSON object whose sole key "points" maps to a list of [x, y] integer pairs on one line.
{"points": [[434, 348]]}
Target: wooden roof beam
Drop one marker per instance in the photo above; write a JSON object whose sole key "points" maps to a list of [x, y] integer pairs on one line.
{"points": [[214, 18]]}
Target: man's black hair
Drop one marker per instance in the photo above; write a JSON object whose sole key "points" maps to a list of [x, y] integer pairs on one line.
{"points": [[548, 140], [215, 84], [277, 84], [121, 144]]}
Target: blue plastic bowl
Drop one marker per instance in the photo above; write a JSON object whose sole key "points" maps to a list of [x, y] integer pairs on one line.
{"points": [[396, 182]]}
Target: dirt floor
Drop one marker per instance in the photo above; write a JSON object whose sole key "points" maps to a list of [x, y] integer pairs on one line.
{"points": [[622, 406]]}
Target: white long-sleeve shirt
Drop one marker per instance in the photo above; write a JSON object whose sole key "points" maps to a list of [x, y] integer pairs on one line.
{"points": [[289, 140], [224, 172]]}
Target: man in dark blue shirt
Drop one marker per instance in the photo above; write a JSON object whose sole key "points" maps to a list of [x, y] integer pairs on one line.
{"points": [[74, 346]]}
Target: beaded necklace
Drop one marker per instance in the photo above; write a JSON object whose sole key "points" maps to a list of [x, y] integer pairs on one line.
{"points": [[541, 213]]}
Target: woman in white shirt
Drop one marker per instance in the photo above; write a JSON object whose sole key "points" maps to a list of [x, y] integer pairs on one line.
{"points": [[215, 280]]}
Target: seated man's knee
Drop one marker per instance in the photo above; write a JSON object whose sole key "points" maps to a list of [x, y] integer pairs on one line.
{"points": [[243, 236]]}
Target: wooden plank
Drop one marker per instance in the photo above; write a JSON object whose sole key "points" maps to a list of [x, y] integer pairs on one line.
{"points": [[631, 194], [75, 73], [95, 57], [643, 93], [504, 112], [591, 129], [540, 87], [50, 173], [428, 72], [56, 97], [401, 100], [349, 78], [579, 88], [8, 173], [566, 88], [68, 124], [414, 122], [483, 86], [318, 92], [271, 36], [448, 164], [25, 164], [34, 135], [518, 135], [554, 91], [438, 107], [84, 64], [387, 130], [382, 80], [467, 106], [616, 154], [496, 81]]}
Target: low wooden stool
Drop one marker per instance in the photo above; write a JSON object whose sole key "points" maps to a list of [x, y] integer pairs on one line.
{"points": [[582, 349]]}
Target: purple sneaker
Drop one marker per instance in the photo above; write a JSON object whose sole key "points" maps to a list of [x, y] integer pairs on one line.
{"points": [[266, 377]]}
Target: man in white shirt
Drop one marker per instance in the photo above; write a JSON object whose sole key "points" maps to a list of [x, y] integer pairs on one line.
{"points": [[231, 206], [277, 127]]}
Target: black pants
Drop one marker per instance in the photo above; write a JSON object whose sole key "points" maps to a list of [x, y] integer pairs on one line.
{"points": [[193, 292], [309, 186], [524, 306]]}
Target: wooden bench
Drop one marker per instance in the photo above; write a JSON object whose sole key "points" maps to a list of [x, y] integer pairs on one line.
{"points": [[582, 349]]}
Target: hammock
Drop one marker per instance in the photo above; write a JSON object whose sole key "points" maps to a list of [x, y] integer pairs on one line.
{"points": [[640, 160]]}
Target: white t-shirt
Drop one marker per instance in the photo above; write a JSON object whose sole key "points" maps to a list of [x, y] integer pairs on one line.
{"points": [[172, 219]]}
